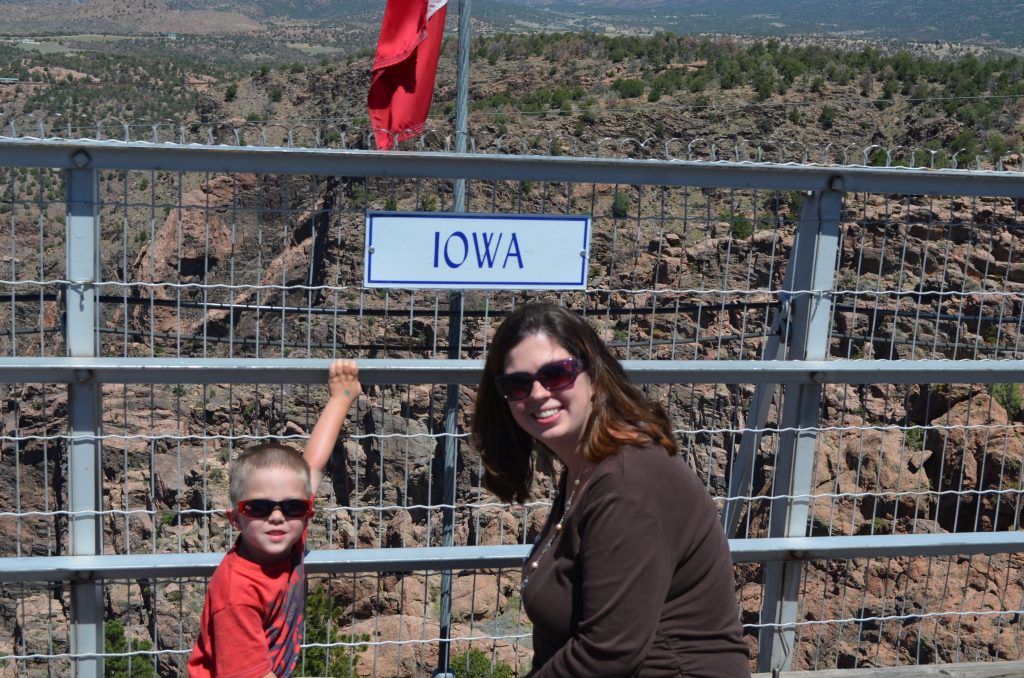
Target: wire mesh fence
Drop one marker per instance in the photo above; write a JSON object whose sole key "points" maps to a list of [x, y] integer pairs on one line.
{"points": [[219, 265]]}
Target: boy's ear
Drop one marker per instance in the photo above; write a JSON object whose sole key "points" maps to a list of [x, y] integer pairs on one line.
{"points": [[232, 515]]}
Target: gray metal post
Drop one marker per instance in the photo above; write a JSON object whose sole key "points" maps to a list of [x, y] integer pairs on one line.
{"points": [[760, 405], [451, 453], [83, 270], [814, 259], [451, 443]]}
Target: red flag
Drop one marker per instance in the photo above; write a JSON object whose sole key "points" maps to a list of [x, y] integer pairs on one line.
{"points": [[402, 79]]}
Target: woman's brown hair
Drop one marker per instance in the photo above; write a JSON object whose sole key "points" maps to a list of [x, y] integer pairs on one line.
{"points": [[620, 415]]}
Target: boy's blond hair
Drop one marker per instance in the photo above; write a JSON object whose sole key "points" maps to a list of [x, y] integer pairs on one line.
{"points": [[262, 456]]}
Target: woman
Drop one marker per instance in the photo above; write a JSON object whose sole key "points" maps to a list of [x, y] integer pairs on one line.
{"points": [[631, 575]]}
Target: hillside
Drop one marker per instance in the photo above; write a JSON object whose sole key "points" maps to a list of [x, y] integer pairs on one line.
{"points": [[113, 17], [942, 102]]}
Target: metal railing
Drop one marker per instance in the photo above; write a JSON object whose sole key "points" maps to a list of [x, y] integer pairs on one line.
{"points": [[791, 318]]}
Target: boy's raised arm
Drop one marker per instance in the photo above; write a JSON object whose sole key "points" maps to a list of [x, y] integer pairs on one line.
{"points": [[344, 387]]}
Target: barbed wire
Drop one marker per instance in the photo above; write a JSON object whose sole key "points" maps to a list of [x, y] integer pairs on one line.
{"points": [[343, 135], [913, 294], [718, 107]]}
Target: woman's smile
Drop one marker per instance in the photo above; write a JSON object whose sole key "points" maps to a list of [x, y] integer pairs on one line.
{"points": [[547, 414]]}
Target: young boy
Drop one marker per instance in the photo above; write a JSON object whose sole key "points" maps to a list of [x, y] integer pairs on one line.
{"points": [[252, 619]]}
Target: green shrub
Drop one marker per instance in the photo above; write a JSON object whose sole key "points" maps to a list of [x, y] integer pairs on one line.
{"points": [[966, 143], [323, 625], [1007, 395], [740, 227], [996, 146], [476, 664], [628, 88], [764, 83], [620, 205], [878, 158], [827, 117], [696, 81], [140, 666]]}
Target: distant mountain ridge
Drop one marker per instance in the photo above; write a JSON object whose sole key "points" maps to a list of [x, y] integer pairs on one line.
{"points": [[993, 22], [988, 21]]}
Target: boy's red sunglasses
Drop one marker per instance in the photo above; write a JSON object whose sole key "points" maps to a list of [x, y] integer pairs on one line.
{"points": [[290, 508]]}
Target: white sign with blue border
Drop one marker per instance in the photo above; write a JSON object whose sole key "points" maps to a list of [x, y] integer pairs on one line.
{"points": [[476, 251]]}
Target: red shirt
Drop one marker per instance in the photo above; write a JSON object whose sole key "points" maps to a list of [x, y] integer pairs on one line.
{"points": [[252, 619]]}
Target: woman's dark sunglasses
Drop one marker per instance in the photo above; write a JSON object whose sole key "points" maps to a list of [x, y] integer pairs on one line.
{"points": [[261, 508], [555, 376]]}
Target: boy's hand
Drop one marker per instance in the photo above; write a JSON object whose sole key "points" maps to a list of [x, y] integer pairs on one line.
{"points": [[343, 379]]}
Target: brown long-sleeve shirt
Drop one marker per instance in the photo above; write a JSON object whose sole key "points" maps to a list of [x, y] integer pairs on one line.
{"points": [[639, 582]]}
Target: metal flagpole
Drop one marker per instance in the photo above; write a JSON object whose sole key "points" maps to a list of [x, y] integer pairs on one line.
{"points": [[462, 99]]}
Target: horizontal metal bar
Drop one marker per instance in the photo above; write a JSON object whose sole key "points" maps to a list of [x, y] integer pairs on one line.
{"points": [[119, 155], [337, 561], [166, 566], [875, 546], [230, 371], [825, 371], [58, 370], [998, 668]]}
